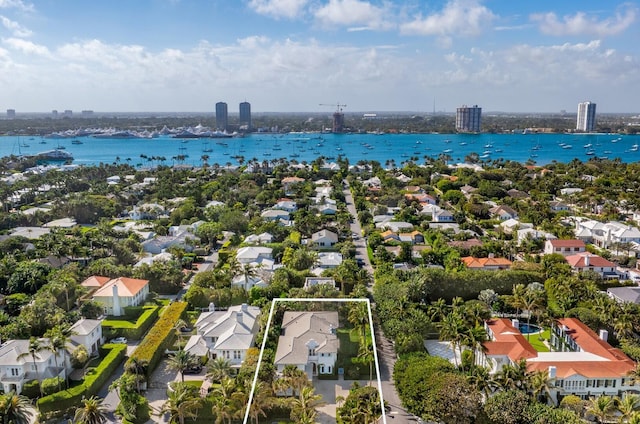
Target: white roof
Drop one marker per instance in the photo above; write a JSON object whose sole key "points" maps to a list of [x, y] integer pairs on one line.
{"points": [[299, 329], [253, 252], [196, 345], [225, 325], [84, 326]]}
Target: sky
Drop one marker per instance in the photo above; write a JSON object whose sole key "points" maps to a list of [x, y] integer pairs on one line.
{"points": [[300, 55]]}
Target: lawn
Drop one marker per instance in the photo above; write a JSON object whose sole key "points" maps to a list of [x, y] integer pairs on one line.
{"points": [[537, 344]]}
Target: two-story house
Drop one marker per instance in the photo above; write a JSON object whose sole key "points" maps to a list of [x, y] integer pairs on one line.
{"points": [[17, 365], [121, 292], [308, 340], [227, 334], [564, 247]]}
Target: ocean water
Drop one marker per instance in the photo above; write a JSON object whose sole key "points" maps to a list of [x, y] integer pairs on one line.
{"points": [[540, 148]]}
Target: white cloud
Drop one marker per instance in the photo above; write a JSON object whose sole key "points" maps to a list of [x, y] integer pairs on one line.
{"points": [[583, 24], [16, 4], [16, 29], [26, 46], [289, 9], [353, 12], [465, 17]]}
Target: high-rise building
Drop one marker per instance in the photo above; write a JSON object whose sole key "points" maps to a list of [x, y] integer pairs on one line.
{"points": [[586, 117], [468, 119], [222, 116], [245, 114], [11, 113]]}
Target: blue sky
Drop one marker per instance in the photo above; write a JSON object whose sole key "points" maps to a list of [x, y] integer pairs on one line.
{"points": [[291, 55]]}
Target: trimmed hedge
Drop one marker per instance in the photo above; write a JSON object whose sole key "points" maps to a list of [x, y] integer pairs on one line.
{"points": [[160, 337], [122, 328], [93, 382]]}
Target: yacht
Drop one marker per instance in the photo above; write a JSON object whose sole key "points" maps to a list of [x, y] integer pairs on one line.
{"points": [[55, 154]]}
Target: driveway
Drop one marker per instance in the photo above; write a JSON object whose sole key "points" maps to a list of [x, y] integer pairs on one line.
{"points": [[330, 389]]}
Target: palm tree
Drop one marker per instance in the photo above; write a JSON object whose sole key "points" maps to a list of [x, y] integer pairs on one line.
{"points": [[181, 361], [514, 377], [292, 378], [182, 403], [222, 408], [451, 328], [16, 409], [218, 369], [358, 315], [366, 355], [482, 381], [261, 402], [137, 367], [57, 343], [35, 347], [473, 338], [92, 412], [601, 407], [628, 406], [438, 310], [303, 408], [541, 386]]}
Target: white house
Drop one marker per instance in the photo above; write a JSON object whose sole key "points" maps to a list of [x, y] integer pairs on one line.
{"points": [[17, 365], [159, 243], [328, 260], [586, 261], [253, 254], [121, 292], [395, 226], [286, 205], [564, 247], [511, 225], [87, 332], [324, 238], [310, 282], [227, 334], [531, 234], [580, 362], [504, 212], [308, 341], [274, 215], [262, 238], [606, 235]]}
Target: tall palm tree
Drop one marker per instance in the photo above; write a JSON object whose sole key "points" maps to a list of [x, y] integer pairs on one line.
{"points": [[35, 347], [223, 409], [183, 402], [601, 407], [541, 386], [292, 378], [262, 401], [628, 406], [451, 328], [181, 361], [358, 315], [366, 355], [91, 412], [303, 407], [514, 377], [57, 343], [218, 369], [16, 409], [137, 367]]}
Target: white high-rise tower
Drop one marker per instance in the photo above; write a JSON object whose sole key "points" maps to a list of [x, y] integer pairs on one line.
{"points": [[586, 117]]}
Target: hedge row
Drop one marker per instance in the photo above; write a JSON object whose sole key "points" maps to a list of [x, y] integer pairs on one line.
{"points": [[123, 328], [93, 382], [160, 337]]}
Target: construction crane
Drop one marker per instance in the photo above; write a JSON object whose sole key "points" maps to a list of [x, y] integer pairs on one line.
{"points": [[338, 116], [338, 106]]}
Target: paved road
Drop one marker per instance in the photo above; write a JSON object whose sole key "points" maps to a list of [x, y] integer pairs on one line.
{"points": [[385, 350]]}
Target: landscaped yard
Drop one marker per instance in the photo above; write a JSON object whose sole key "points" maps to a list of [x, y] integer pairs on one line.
{"points": [[537, 344]]}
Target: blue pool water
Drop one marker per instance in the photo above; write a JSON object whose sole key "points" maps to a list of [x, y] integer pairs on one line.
{"points": [[529, 329]]}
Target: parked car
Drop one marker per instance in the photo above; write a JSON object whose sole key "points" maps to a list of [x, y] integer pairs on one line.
{"points": [[119, 340], [195, 369], [186, 329]]}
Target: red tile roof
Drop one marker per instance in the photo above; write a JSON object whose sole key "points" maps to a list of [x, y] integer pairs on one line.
{"points": [[567, 243], [507, 340], [579, 261], [480, 263]]}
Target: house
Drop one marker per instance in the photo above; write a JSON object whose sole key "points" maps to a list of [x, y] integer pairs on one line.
{"points": [[486, 264], [586, 261], [158, 244], [442, 215], [465, 244], [147, 211], [227, 334], [580, 362], [625, 294], [327, 260], [87, 332], [308, 341], [467, 191], [94, 282], [262, 238], [324, 238], [286, 205], [150, 260], [557, 206], [289, 182], [248, 282], [607, 234], [17, 366], [274, 215], [414, 237], [327, 209], [517, 194], [564, 247], [121, 292], [253, 254], [511, 225], [503, 212], [395, 226], [531, 234], [310, 282], [389, 235]]}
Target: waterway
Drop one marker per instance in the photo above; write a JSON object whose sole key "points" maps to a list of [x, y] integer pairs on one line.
{"points": [[540, 148]]}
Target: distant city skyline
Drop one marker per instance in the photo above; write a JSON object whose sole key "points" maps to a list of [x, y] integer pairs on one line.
{"points": [[288, 56]]}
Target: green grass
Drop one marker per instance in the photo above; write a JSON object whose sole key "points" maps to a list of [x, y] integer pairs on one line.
{"points": [[129, 323], [537, 344]]}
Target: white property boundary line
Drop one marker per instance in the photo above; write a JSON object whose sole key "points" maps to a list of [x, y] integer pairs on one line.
{"points": [[334, 300]]}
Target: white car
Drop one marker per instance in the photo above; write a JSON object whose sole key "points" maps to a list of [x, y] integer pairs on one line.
{"points": [[119, 340]]}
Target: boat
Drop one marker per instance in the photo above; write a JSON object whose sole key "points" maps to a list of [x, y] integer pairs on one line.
{"points": [[76, 141], [567, 146], [634, 148], [588, 146], [55, 155], [590, 152], [447, 151], [463, 143]]}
